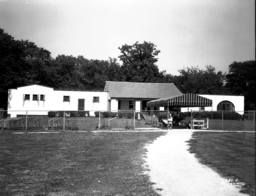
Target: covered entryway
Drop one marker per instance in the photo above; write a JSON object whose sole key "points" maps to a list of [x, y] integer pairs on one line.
{"points": [[185, 100]]}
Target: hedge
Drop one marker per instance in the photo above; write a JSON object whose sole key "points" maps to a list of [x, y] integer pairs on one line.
{"points": [[117, 114], [215, 115], [205, 114], [68, 113]]}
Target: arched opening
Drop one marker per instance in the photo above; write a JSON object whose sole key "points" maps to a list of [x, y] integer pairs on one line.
{"points": [[226, 105]]}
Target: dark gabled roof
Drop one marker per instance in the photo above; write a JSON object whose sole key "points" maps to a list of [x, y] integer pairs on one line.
{"points": [[186, 100], [141, 90]]}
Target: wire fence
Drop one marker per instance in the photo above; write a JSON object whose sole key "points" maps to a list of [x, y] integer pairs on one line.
{"points": [[125, 120]]}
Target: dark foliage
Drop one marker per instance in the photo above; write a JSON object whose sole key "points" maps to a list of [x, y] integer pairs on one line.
{"points": [[241, 80], [214, 115]]}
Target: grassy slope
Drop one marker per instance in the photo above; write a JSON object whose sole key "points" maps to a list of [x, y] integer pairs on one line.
{"points": [[74, 164], [230, 154]]}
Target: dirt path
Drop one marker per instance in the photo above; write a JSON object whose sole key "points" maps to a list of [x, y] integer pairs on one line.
{"points": [[179, 173]]}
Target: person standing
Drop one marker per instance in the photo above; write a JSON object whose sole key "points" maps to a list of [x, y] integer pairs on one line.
{"points": [[170, 120]]}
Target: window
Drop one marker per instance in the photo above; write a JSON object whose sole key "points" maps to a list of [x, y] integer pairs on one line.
{"points": [[202, 109], [96, 99], [66, 98], [27, 97], [131, 104], [35, 97], [42, 98], [226, 105]]}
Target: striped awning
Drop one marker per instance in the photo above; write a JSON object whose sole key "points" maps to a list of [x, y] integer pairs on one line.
{"points": [[186, 100]]}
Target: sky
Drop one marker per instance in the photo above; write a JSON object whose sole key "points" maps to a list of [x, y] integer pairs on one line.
{"points": [[187, 32]]}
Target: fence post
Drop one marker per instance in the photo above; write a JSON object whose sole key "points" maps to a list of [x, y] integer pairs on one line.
{"points": [[63, 121], [191, 116], [253, 121], [222, 120], [26, 121], [134, 120], [99, 122]]}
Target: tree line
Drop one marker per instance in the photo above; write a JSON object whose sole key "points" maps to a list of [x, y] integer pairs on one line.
{"points": [[24, 63]]}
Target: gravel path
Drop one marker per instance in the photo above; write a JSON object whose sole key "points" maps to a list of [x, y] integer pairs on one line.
{"points": [[179, 173]]}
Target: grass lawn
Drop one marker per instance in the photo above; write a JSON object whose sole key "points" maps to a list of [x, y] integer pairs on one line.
{"points": [[69, 163], [232, 125], [231, 154]]}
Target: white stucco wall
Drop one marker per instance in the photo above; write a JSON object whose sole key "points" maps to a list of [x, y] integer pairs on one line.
{"points": [[53, 101], [238, 102], [114, 105]]}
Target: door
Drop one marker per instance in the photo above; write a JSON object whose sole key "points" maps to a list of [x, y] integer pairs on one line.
{"points": [[81, 104]]}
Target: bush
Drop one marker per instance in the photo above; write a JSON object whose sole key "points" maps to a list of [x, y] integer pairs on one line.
{"points": [[96, 114], [51, 114], [126, 114], [214, 115], [68, 113], [55, 114], [79, 113], [120, 115], [105, 114]]}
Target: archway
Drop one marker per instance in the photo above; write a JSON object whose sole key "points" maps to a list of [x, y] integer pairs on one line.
{"points": [[226, 105]]}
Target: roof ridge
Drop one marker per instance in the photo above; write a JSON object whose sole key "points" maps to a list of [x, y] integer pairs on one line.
{"points": [[34, 85]]}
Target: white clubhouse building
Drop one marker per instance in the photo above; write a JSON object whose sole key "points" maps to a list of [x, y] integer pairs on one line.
{"points": [[117, 96]]}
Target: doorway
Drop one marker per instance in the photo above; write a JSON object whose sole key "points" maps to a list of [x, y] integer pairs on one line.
{"points": [[80, 104]]}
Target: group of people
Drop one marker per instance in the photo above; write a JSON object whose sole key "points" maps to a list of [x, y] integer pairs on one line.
{"points": [[175, 120]]}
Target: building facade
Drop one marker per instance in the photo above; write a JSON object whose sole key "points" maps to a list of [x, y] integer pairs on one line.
{"points": [[220, 103], [38, 100], [135, 95], [117, 96]]}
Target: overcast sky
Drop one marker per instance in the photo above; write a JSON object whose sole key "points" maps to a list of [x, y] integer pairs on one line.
{"points": [[187, 32]]}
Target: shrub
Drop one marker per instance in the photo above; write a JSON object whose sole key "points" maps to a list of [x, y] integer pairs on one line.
{"points": [[55, 114], [130, 115], [215, 115], [126, 114], [96, 114], [51, 114], [73, 113], [113, 114], [79, 113], [68, 113], [105, 114]]}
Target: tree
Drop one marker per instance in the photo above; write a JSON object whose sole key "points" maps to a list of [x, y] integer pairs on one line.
{"points": [[113, 71], [40, 64], [195, 80], [241, 80], [66, 72], [21, 63], [139, 63]]}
